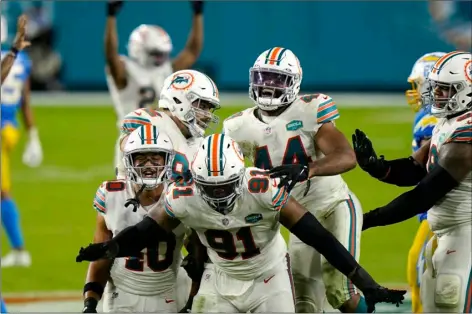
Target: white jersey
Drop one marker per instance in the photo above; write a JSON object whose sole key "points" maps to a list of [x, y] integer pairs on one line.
{"points": [[244, 243], [142, 89], [155, 270], [184, 148], [456, 207], [289, 138]]}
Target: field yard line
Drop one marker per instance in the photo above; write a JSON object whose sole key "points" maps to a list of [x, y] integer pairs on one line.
{"points": [[71, 295], [102, 99], [48, 173]]}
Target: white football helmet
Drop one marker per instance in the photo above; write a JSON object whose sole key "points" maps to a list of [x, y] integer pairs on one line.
{"points": [[148, 155], [275, 79], [450, 84], [218, 171], [149, 45], [4, 29], [418, 77], [192, 97]]}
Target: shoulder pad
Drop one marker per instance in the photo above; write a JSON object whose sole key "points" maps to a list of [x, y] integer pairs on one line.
{"points": [[463, 130], [266, 188], [176, 198], [424, 127], [235, 121], [99, 201]]}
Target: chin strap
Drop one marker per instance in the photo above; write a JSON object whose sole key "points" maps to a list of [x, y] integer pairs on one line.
{"points": [[135, 200]]}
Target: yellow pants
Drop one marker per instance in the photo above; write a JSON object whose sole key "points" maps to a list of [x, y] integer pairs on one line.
{"points": [[416, 264], [9, 138]]}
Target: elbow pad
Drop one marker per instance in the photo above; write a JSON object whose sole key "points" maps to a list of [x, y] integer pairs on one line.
{"points": [[424, 196], [404, 172]]}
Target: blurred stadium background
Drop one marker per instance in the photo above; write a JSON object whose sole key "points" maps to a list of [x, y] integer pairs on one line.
{"points": [[358, 52]]}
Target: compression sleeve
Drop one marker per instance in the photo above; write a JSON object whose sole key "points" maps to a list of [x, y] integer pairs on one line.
{"points": [[404, 172], [134, 239], [310, 231], [425, 195]]}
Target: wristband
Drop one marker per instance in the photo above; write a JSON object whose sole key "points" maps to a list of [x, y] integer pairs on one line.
{"points": [[94, 287]]}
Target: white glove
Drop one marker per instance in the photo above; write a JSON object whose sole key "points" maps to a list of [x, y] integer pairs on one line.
{"points": [[33, 154]]}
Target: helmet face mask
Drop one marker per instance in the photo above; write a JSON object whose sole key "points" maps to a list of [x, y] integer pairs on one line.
{"points": [[148, 157], [218, 172], [275, 79], [441, 97], [149, 167], [449, 85], [157, 58], [220, 195], [150, 46], [193, 98], [418, 78]]}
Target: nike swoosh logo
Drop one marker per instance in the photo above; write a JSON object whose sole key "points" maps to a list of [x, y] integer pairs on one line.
{"points": [[138, 113], [450, 251], [169, 300], [268, 279]]}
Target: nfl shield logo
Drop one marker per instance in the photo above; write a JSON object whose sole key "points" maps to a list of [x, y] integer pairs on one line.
{"points": [[268, 130], [225, 221]]}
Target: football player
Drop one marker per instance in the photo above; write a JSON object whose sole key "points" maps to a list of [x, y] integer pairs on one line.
{"points": [[188, 100], [236, 213], [19, 44], [145, 281], [15, 96], [423, 126], [287, 129], [135, 80], [441, 170]]}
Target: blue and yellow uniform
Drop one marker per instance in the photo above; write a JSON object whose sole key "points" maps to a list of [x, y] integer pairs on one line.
{"points": [[11, 103], [422, 131]]}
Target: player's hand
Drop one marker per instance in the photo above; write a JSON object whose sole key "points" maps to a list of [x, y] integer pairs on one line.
{"points": [[19, 42], [113, 7], [188, 306], [90, 305], [366, 156], [289, 175], [384, 295], [192, 268], [197, 7], [33, 153], [97, 251]]}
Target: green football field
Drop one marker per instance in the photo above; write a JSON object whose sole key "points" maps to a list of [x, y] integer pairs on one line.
{"points": [[55, 200]]}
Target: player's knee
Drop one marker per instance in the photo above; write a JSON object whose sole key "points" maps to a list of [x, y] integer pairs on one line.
{"points": [[447, 291]]}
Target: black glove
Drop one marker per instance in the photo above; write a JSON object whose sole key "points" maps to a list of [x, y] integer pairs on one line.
{"points": [[194, 271], [97, 251], [188, 306], [382, 294], [373, 292], [113, 7], [289, 174], [197, 7], [366, 156], [90, 305]]}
